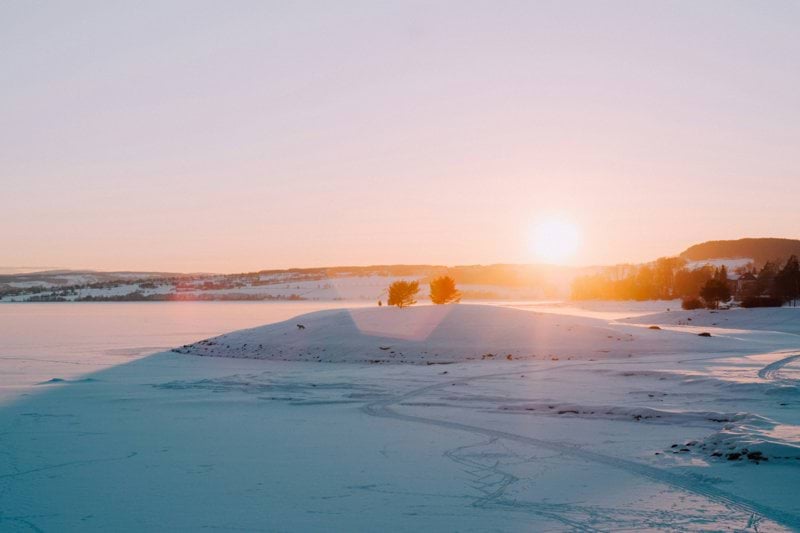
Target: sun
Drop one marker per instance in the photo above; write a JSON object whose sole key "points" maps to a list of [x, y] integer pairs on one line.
{"points": [[555, 239]]}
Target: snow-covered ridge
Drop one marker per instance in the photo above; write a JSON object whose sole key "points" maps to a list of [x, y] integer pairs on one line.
{"points": [[430, 334]]}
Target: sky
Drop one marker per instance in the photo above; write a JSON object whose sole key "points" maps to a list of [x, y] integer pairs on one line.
{"points": [[237, 136]]}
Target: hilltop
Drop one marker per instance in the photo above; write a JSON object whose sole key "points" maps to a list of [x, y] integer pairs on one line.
{"points": [[447, 334], [760, 250]]}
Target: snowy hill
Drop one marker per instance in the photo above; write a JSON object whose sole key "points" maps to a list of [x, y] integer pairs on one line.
{"points": [[444, 334]]}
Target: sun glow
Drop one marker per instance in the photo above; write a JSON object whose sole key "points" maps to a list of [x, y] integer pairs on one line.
{"points": [[555, 239]]}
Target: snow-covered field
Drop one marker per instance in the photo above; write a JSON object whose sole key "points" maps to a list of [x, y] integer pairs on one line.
{"points": [[595, 422]]}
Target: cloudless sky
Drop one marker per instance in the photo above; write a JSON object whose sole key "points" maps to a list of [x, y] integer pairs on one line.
{"points": [[235, 136]]}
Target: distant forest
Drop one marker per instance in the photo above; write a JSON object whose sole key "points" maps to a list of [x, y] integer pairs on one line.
{"points": [[669, 278], [772, 277]]}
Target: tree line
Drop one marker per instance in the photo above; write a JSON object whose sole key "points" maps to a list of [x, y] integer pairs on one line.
{"points": [[669, 278]]}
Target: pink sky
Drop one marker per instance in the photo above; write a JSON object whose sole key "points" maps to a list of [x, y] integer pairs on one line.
{"points": [[225, 137]]}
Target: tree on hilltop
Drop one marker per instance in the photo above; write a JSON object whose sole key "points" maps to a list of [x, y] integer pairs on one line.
{"points": [[443, 290], [402, 293]]}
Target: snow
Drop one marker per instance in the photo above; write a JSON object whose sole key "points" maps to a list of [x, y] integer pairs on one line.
{"points": [[729, 263], [607, 310], [776, 319], [639, 431], [28, 284], [341, 288], [429, 334]]}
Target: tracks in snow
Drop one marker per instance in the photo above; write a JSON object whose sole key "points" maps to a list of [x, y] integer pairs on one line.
{"points": [[772, 370], [383, 409]]}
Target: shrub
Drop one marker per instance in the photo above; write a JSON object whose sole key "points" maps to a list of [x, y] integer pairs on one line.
{"points": [[402, 293], [443, 290], [691, 304], [762, 301]]}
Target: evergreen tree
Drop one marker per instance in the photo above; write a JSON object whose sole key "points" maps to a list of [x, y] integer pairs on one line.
{"points": [[443, 290], [787, 281], [721, 274], [714, 292], [402, 293], [766, 277]]}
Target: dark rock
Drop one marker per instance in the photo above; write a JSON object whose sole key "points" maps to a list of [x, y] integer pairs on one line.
{"points": [[756, 456]]}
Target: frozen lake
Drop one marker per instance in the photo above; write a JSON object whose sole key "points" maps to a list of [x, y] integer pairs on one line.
{"points": [[98, 435], [39, 341]]}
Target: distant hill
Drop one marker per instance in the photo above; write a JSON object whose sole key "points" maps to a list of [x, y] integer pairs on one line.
{"points": [[477, 282], [759, 250]]}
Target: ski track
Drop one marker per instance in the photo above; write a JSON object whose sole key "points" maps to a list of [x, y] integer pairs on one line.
{"points": [[383, 409], [772, 370], [492, 483]]}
